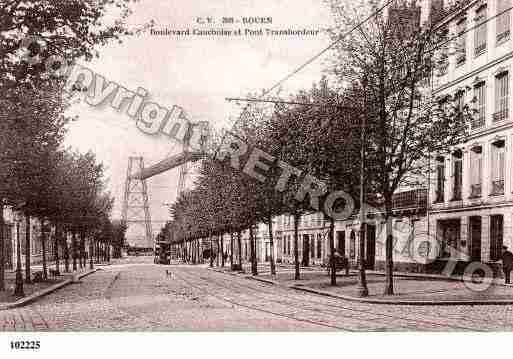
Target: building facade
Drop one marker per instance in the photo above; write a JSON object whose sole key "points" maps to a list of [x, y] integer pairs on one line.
{"points": [[471, 197]]}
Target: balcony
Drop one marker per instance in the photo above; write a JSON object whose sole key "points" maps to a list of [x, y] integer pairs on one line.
{"points": [[477, 122], [410, 199], [497, 188], [443, 69], [503, 36], [475, 190], [480, 49], [500, 115], [460, 60]]}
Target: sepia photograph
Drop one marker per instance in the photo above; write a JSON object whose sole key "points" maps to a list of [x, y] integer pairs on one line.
{"points": [[183, 172]]}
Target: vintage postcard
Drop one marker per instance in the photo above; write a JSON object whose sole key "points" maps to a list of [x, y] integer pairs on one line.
{"points": [[254, 166]]}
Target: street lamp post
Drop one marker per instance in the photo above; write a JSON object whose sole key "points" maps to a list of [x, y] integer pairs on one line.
{"points": [[362, 282], [18, 291]]}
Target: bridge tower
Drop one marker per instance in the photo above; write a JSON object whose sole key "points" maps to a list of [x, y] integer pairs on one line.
{"points": [[136, 211]]}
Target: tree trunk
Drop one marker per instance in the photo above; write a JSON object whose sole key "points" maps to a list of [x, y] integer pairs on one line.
{"points": [[271, 245], [231, 250], [107, 251], [91, 253], [43, 243], [217, 251], [211, 251], [56, 248], [239, 244], [28, 252], [2, 246], [66, 252], [252, 246], [82, 249], [222, 251], [199, 252], [389, 261], [296, 249], [333, 273], [74, 249]]}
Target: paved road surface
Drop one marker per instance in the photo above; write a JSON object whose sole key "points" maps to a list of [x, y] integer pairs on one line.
{"points": [[138, 295]]}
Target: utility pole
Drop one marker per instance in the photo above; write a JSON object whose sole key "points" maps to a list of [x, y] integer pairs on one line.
{"points": [[362, 281]]}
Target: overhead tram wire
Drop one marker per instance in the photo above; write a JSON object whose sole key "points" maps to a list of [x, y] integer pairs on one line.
{"points": [[315, 57], [432, 49]]}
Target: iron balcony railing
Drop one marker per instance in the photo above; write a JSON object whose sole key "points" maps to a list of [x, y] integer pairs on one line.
{"points": [[475, 190], [410, 199], [480, 49], [497, 187], [503, 36], [500, 115], [477, 122]]}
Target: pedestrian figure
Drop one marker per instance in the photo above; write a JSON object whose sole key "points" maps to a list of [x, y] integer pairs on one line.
{"points": [[507, 263]]}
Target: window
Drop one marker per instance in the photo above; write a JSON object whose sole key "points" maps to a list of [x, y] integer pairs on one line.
{"points": [[285, 245], [498, 167], [476, 168], [457, 174], [312, 246], [440, 179], [319, 245], [480, 95], [503, 20], [443, 54], [496, 237], [501, 96], [480, 32], [460, 101], [461, 44]]}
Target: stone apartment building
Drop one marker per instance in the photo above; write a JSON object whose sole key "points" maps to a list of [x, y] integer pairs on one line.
{"points": [[466, 212], [471, 199]]}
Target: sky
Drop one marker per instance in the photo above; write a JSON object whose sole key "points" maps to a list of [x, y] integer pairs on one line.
{"points": [[195, 73]]}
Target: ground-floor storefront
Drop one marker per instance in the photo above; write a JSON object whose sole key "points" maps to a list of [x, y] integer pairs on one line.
{"points": [[474, 234]]}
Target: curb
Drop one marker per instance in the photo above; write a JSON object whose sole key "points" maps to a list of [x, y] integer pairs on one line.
{"points": [[377, 301], [402, 302], [35, 296]]}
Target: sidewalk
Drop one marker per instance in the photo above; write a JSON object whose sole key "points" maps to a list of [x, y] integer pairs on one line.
{"points": [[34, 291], [410, 288]]}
